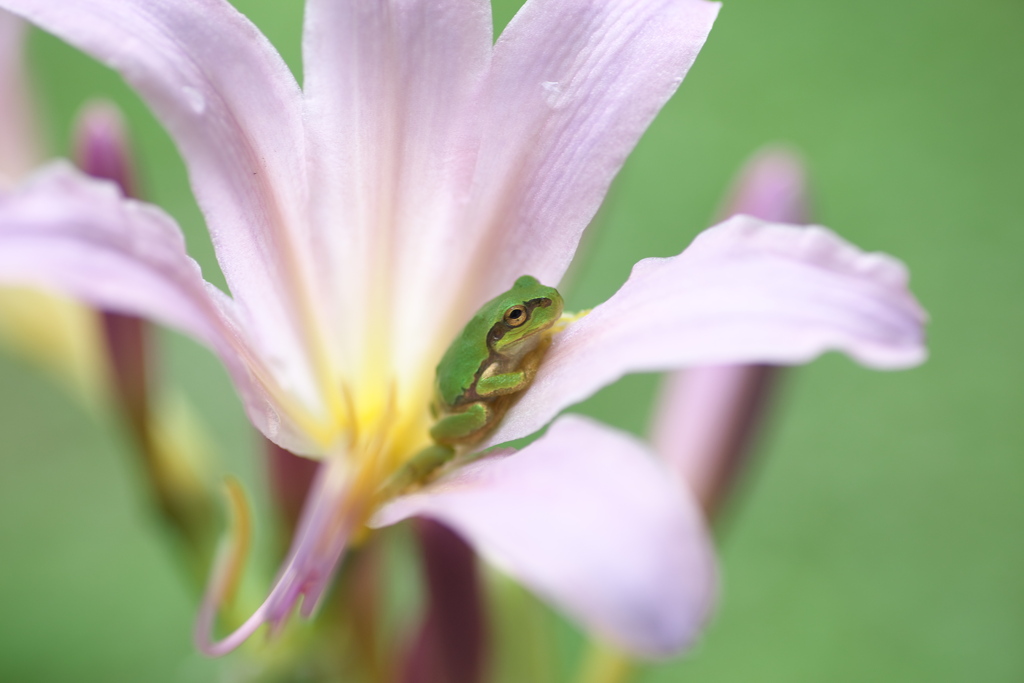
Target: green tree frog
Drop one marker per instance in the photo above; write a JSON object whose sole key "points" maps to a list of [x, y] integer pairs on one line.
{"points": [[489, 363]]}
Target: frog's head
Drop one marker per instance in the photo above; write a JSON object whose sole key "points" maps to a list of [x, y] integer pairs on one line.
{"points": [[522, 312]]}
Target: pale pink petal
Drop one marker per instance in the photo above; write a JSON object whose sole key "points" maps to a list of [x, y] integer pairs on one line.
{"points": [[66, 232], [235, 111], [589, 519], [745, 291], [20, 150], [389, 87], [573, 86]]}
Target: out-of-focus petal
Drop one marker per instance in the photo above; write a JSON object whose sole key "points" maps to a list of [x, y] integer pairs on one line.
{"points": [[745, 291], [707, 416], [329, 515], [573, 86], [58, 334], [20, 150], [66, 232], [586, 517], [705, 421], [772, 186], [450, 644], [235, 111], [388, 89]]}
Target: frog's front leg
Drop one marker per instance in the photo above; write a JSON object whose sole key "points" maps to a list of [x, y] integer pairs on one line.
{"points": [[501, 385], [456, 427]]}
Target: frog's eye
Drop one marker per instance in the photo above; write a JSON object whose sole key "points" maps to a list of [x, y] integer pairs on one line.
{"points": [[516, 316]]}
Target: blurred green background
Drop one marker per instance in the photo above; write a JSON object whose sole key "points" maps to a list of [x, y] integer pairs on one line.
{"points": [[879, 536]]}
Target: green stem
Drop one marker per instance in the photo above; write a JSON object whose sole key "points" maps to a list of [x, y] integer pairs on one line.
{"points": [[604, 664]]}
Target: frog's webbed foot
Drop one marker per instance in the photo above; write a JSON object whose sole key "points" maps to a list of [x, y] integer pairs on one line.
{"points": [[462, 426]]}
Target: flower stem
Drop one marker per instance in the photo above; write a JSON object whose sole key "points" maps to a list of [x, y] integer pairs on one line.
{"points": [[604, 664]]}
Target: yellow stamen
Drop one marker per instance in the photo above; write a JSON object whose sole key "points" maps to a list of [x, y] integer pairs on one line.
{"points": [[568, 319], [230, 565]]}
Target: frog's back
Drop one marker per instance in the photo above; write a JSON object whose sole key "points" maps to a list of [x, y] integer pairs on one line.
{"points": [[462, 360]]}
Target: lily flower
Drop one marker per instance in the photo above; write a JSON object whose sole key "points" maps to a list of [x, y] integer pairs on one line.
{"points": [[362, 219]]}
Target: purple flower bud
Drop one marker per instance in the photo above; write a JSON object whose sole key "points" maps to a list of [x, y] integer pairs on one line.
{"points": [[101, 147]]}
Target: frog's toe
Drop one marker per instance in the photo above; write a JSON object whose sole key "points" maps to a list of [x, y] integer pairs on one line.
{"points": [[459, 427]]}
